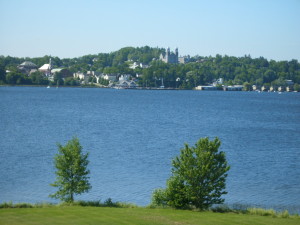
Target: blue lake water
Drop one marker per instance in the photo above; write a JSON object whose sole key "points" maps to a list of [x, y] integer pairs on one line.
{"points": [[132, 136]]}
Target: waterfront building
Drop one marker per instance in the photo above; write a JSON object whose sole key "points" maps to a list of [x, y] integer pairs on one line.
{"points": [[206, 88], [126, 85], [218, 82], [233, 88]]}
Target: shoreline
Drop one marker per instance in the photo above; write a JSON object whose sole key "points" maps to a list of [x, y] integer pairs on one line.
{"points": [[146, 88]]}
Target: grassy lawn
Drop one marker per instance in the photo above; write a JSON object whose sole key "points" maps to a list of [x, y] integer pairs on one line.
{"points": [[103, 215]]}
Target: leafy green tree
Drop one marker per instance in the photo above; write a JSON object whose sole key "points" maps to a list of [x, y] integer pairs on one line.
{"points": [[58, 78], [2, 75], [198, 177], [247, 86], [71, 171], [296, 87], [37, 77]]}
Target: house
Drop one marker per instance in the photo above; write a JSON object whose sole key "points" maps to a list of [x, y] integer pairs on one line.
{"points": [[27, 66], [83, 77], [126, 85], [110, 77], [134, 65], [289, 82], [124, 77], [140, 65], [254, 88]]}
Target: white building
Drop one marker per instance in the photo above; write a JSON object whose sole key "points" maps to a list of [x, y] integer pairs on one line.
{"points": [[110, 77], [124, 77], [46, 68]]}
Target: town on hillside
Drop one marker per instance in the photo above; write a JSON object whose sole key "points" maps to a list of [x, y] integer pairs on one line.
{"points": [[154, 68]]}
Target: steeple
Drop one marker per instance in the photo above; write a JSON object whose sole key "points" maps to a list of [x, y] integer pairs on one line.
{"points": [[50, 63]]}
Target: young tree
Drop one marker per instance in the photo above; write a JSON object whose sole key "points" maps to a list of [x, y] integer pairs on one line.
{"points": [[71, 171], [198, 177]]}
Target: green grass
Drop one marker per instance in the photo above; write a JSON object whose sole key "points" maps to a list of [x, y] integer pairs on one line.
{"points": [[141, 216]]}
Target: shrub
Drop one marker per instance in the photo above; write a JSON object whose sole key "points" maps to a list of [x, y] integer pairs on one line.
{"points": [[6, 205], [159, 198], [284, 214]]}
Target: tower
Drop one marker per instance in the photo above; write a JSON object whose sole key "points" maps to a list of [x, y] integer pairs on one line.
{"points": [[50, 63], [176, 55], [168, 55]]}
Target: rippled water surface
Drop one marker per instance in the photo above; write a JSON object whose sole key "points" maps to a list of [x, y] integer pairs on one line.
{"points": [[132, 135]]}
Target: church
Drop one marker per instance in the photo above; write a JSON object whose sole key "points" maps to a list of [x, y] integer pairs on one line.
{"points": [[169, 57]]}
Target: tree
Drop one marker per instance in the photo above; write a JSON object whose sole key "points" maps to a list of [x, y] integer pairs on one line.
{"points": [[296, 87], [71, 171], [247, 86], [2, 75], [58, 78], [198, 177]]}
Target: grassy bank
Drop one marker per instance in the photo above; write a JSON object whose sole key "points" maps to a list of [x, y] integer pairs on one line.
{"points": [[106, 215]]}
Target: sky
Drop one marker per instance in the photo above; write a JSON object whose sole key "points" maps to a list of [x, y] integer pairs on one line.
{"points": [[73, 28]]}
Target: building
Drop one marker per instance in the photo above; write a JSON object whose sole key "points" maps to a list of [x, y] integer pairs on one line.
{"points": [[27, 66], [218, 82], [124, 77], [126, 85], [206, 88], [46, 69], [169, 57], [184, 59], [110, 77], [233, 88]]}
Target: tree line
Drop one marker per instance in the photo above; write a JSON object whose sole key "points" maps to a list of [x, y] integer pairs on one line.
{"points": [[200, 70]]}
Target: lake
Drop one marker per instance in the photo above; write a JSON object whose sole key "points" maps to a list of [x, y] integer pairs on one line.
{"points": [[132, 136]]}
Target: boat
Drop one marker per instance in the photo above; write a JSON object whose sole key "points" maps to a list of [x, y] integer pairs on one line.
{"points": [[48, 86]]}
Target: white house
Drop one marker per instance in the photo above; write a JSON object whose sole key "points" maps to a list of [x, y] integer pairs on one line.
{"points": [[110, 77], [126, 85], [124, 77]]}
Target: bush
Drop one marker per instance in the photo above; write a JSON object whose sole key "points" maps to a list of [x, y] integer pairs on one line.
{"points": [[17, 205], [159, 198], [284, 214], [6, 205]]}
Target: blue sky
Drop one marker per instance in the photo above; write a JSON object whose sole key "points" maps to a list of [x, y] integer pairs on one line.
{"points": [[67, 29]]}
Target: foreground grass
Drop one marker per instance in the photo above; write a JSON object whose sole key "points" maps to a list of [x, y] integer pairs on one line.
{"points": [[141, 216]]}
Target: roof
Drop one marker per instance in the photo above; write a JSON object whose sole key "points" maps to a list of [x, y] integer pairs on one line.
{"points": [[28, 64], [56, 70], [45, 67]]}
